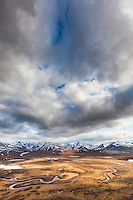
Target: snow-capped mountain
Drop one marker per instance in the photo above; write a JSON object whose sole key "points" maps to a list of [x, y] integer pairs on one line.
{"points": [[47, 146], [16, 146], [24, 146], [80, 146], [116, 146]]}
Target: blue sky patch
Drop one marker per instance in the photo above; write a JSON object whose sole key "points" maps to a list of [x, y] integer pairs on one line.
{"points": [[43, 67], [92, 79], [110, 89], [61, 86], [58, 32]]}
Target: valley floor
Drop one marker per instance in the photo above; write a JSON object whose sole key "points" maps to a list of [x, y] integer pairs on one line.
{"points": [[67, 175]]}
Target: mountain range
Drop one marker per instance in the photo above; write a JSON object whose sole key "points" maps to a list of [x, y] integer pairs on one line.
{"points": [[48, 146]]}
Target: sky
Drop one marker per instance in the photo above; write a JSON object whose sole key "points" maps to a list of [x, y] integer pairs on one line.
{"points": [[66, 70]]}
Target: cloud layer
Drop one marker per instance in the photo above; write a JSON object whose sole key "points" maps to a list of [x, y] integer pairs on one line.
{"points": [[66, 68]]}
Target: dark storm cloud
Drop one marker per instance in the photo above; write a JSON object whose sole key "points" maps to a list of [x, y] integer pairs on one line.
{"points": [[5, 123], [77, 40], [8, 124], [81, 38], [91, 39], [15, 44], [119, 106], [123, 100], [78, 118], [10, 30]]}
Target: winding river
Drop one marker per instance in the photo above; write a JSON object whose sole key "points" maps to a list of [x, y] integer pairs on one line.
{"points": [[56, 178], [15, 186]]}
